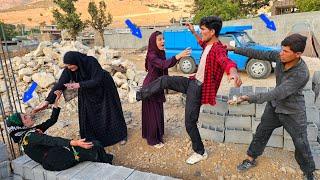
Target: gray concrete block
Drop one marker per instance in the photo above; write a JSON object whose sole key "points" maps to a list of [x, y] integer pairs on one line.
{"points": [[308, 86], [27, 169], [246, 90], [288, 145], [258, 90], [38, 173], [138, 175], [69, 173], [213, 120], [242, 109], [316, 159], [5, 170], [89, 171], [275, 141], [211, 133], [309, 98], [221, 106], [17, 164], [234, 92], [51, 175], [312, 114], [3, 152], [242, 122], [260, 109], [286, 135], [312, 131], [113, 172], [238, 136], [17, 177]]}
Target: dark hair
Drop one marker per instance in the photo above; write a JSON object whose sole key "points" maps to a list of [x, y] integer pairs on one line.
{"points": [[212, 22], [296, 42]]}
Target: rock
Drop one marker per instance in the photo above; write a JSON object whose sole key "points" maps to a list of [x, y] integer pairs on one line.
{"points": [[120, 75], [34, 101], [197, 173], [31, 64], [125, 86], [27, 79], [43, 79], [220, 178], [2, 86], [91, 52], [283, 169], [132, 95], [20, 67], [39, 51], [119, 82], [50, 53], [130, 74], [25, 72]]}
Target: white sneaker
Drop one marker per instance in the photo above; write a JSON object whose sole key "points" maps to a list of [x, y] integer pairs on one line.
{"points": [[195, 157], [160, 145]]}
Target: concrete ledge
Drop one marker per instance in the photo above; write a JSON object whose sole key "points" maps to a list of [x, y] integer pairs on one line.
{"points": [[25, 168]]}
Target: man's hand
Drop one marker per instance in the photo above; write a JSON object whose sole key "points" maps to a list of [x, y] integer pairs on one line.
{"points": [[190, 27], [72, 85], [238, 100], [234, 76], [81, 143]]}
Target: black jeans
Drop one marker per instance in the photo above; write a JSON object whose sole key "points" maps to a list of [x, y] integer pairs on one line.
{"points": [[295, 125], [193, 90]]}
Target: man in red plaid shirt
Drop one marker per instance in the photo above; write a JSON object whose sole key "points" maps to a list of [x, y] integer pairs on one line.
{"points": [[203, 86]]}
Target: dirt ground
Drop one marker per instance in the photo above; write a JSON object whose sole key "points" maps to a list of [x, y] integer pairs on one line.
{"points": [[223, 158]]}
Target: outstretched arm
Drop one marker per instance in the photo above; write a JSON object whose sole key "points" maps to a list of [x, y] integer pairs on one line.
{"points": [[268, 55]]}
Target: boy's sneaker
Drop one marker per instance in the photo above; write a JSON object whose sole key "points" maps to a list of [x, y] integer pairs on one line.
{"points": [[246, 164], [308, 176], [195, 157]]}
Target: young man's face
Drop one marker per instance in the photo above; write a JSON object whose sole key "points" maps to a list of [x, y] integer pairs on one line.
{"points": [[287, 55], [27, 120], [206, 33]]}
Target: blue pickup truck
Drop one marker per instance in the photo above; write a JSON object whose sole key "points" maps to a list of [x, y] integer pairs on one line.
{"points": [[177, 39]]}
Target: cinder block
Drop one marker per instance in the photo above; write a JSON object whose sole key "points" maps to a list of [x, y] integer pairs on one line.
{"points": [[260, 109], [312, 114], [38, 173], [242, 122], [275, 141], [147, 176], [286, 135], [309, 98], [213, 120], [17, 164], [51, 175], [3, 152], [246, 90], [69, 173], [312, 131], [113, 172], [27, 169], [242, 109], [234, 92], [17, 177], [288, 145], [211, 133], [238, 136], [221, 106], [316, 159], [5, 170], [258, 90]]}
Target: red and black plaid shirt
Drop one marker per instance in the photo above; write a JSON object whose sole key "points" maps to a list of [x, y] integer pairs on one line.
{"points": [[216, 64]]}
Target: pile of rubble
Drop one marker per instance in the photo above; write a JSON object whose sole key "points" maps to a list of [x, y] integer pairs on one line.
{"points": [[45, 65]]}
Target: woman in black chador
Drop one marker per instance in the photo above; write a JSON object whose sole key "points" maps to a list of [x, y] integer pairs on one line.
{"points": [[100, 112]]}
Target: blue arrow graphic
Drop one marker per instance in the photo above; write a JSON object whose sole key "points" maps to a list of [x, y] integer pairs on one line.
{"points": [[269, 24], [134, 30], [28, 94]]}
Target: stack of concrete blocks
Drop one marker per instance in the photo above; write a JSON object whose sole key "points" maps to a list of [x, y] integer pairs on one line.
{"points": [[26, 169], [239, 120], [276, 138], [5, 170], [212, 120]]}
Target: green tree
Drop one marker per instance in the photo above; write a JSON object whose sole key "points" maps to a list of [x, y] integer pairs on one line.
{"points": [[226, 9], [9, 31], [308, 5], [69, 19], [99, 19]]}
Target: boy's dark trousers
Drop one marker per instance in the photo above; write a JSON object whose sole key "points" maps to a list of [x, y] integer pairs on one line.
{"points": [[295, 125], [193, 102]]}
